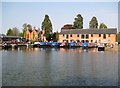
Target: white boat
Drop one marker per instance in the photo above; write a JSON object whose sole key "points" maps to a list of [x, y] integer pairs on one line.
{"points": [[101, 47]]}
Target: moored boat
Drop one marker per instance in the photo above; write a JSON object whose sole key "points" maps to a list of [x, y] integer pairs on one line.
{"points": [[101, 47], [85, 45]]}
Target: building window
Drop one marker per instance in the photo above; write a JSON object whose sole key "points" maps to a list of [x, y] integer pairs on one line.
{"points": [[64, 40], [63, 35], [87, 41], [104, 36], [87, 36], [78, 40], [99, 35], [108, 35], [71, 40], [71, 35], [66, 36], [82, 36], [95, 41], [83, 41], [91, 41], [77, 35], [91, 35]]}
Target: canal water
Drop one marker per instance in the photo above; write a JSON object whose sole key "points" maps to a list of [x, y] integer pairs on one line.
{"points": [[59, 67]]}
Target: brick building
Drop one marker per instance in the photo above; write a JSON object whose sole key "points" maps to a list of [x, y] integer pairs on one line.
{"points": [[33, 34], [89, 35]]}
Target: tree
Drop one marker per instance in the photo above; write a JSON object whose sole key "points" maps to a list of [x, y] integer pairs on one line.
{"points": [[78, 23], [25, 26], [47, 26], [21, 34], [29, 27], [118, 38], [93, 23], [39, 34], [10, 32], [16, 31], [55, 36], [13, 32], [102, 26], [24, 29], [49, 37]]}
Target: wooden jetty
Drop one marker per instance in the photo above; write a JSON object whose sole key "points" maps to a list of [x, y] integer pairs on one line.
{"points": [[15, 46]]}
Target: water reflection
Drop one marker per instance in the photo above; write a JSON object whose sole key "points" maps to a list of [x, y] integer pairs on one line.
{"points": [[59, 67], [59, 49]]}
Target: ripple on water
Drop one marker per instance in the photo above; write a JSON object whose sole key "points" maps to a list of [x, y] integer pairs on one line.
{"points": [[59, 67]]}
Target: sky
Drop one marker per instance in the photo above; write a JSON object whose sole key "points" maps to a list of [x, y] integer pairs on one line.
{"points": [[15, 14]]}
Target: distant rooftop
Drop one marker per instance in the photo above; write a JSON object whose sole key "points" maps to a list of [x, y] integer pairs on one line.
{"points": [[89, 31], [67, 26]]}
